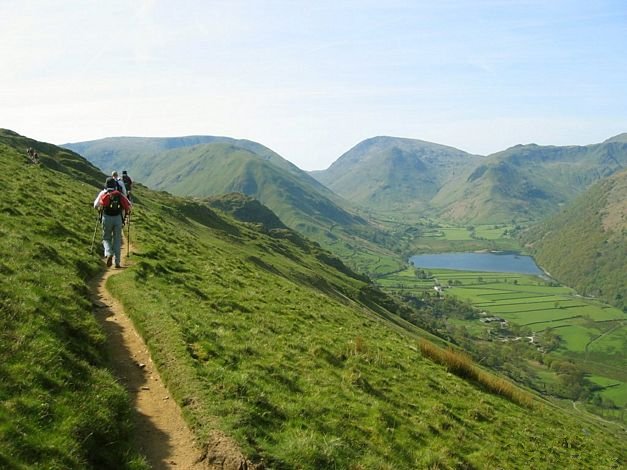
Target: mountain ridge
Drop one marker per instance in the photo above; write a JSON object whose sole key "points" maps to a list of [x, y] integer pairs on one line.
{"points": [[528, 182], [104, 152], [371, 172], [617, 138]]}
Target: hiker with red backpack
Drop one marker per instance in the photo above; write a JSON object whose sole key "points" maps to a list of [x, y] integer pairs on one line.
{"points": [[114, 207]]}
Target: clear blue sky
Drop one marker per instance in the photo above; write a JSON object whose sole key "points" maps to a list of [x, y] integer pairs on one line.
{"points": [[310, 79]]}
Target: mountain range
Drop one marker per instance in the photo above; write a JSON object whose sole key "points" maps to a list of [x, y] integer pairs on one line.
{"points": [[529, 182], [524, 183], [381, 175]]}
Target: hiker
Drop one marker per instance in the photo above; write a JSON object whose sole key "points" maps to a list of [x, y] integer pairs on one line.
{"points": [[32, 155], [115, 206], [128, 184], [120, 183]]}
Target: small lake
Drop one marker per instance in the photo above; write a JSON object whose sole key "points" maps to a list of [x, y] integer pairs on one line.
{"points": [[489, 262]]}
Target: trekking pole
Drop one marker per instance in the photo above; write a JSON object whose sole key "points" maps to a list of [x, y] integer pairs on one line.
{"points": [[128, 242], [98, 220]]}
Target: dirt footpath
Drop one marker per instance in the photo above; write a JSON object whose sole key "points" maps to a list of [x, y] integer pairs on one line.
{"points": [[162, 435]]}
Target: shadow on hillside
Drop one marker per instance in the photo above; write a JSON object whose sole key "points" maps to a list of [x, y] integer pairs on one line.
{"points": [[150, 441], [203, 215]]}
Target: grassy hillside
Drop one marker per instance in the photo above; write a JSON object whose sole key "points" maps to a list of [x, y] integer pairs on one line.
{"points": [[204, 166], [272, 344], [391, 173], [585, 245], [60, 408], [270, 339], [246, 209], [220, 168], [528, 182]]}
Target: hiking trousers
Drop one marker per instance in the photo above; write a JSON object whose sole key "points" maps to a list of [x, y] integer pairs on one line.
{"points": [[112, 236]]}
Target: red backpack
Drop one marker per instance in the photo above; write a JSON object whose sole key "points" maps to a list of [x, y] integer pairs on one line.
{"points": [[114, 206]]}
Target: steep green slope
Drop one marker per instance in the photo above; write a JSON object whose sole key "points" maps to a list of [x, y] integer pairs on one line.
{"points": [[528, 182], [260, 334], [390, 173], [60, 408], [268, 338], [585, 245], [205, 166]]}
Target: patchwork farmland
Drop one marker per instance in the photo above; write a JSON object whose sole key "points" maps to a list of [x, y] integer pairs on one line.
{"points": [[590, 332]]}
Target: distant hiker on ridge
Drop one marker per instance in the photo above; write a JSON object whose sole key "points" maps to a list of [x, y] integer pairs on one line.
{"points": [[114, 208], [32, 155], [120, 183], [128, 184]]}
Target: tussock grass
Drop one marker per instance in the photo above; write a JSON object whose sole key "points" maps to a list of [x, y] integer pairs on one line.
{"points": [[461, 364]]}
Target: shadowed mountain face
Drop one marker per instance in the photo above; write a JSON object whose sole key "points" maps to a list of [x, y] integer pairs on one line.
{"points": [[585, 245], [385, 173], [246, 209]]}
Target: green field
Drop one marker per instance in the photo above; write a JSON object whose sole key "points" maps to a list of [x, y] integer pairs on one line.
{"points": [[429, 236], [490, 232], [365, 258], [591, 333], [456, 233], [613, 339], [487, 232], [615, 390]]}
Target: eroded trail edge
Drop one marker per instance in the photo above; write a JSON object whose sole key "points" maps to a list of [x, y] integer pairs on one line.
{"points": [[161, 434]]}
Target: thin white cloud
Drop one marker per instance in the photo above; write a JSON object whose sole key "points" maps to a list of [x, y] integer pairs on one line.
{"points": [[310, 79]]}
